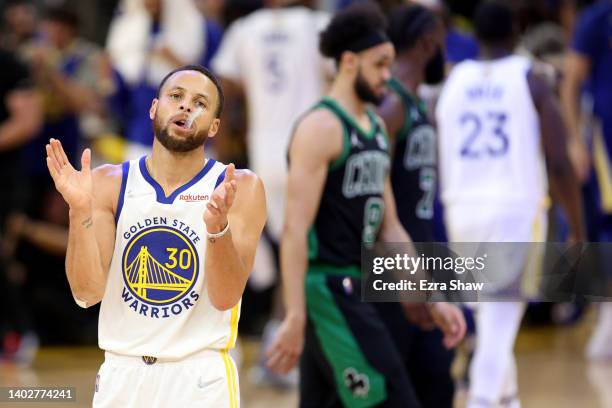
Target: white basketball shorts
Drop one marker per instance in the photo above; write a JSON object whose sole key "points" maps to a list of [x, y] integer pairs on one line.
{"points": [[206, 379]]}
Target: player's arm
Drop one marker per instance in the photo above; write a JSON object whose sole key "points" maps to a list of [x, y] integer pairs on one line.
{"points": [[393, 115], [312, 148], [585, 47], [316, 143], [91, 196], [240, 203], [563, 181], [391, 229], [577, 68], [447, 317]]}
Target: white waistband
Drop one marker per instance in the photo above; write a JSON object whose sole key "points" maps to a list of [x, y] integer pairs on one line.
{"points": [[150, 360]]}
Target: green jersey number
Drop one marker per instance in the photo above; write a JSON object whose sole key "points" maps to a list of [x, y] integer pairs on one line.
{"points": [[427, 182], [372, 218]]}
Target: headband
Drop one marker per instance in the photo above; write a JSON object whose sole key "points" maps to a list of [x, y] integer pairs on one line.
{"points": [[369, 39]]}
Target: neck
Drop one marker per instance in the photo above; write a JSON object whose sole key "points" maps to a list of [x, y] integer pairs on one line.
{"points": [[493, 52], [343, 91], [409, 73], [171, 169]]}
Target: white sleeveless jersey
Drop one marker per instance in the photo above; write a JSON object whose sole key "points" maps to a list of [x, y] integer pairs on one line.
{"points": [[489, 137], [156, 302], [274, 54]]}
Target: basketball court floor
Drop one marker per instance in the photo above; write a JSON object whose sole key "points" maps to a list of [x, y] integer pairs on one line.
{"points": [[552, 372]]}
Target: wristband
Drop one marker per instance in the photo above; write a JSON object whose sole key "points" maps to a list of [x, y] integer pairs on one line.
{"points": [[218, 234]]}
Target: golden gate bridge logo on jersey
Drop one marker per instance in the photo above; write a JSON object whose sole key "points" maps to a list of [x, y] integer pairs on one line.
{"points": [[160, 267]]}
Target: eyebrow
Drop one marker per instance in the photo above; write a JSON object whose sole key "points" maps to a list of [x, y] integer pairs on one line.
{"points": [[199, 95]]}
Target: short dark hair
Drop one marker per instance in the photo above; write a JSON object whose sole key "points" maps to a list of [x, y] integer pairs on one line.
{"points": [[494, 22], [409, 23], [348, 25], [204, 71], [62, 15]]}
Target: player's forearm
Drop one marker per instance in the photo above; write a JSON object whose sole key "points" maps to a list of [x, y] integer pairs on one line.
{"points": [[294, 262], [84, 269], [392, 231], [570, 100], [564, 186], [226, 274]]}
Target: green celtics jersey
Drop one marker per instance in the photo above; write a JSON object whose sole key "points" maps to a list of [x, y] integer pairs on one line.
{"points": [[352, 206]]}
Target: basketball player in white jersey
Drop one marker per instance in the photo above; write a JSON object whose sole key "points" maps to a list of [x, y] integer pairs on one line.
{"points": [[272, 56], [166, 244], [500, 129]]}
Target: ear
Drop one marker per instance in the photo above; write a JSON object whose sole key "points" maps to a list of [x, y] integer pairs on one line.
{"points": [[153, 109], [349, 61], [214, 127]]}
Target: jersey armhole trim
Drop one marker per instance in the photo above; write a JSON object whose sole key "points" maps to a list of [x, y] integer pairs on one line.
{"points": [[346, 148], [220, 178], [313, 243], [327, 103], [125, 169], [402, 134], [528, 71], [404, 97]]}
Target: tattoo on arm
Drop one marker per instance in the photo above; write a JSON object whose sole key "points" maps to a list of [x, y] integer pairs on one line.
{"points": [[87, 223]]}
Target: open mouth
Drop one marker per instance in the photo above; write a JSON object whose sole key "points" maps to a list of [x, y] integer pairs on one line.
{"points": [[182, 123]]}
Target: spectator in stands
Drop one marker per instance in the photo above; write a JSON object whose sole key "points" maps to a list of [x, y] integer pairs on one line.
{"points": [[20, 119], [146, 40]]}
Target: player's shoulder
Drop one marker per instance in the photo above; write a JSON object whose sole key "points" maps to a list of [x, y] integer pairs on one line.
{"points": [[393, 103], [539, 81], [107, 183], [256, 18], [108, 174], [321, 120], [318, 134], [458, 72], [464, 65], [541, 71]]}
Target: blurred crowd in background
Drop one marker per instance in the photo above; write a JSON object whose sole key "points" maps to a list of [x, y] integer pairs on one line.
{"points": [[85, 72]]}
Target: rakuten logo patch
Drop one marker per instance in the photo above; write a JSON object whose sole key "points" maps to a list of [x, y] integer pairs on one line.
{"points": [[192, 198]]}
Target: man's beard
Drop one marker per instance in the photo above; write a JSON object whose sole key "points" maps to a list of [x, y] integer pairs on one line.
{"points": [[178, 144], [365, 92]]}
